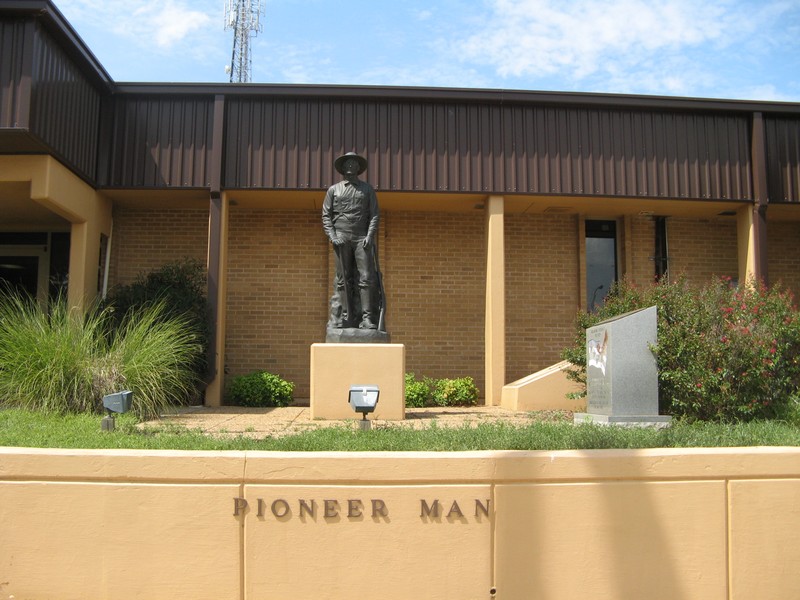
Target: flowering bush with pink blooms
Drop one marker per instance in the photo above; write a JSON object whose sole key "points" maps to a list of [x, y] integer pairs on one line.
{"points": [[724, 353]]}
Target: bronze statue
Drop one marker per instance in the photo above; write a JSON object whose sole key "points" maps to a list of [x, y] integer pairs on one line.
{"points": [[350, 218]]}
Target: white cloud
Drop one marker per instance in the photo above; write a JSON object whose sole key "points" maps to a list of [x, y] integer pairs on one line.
{"points": [[148, 22], [164, 24], [434, 75], [289, 63], [766, 92], [621, 40]]}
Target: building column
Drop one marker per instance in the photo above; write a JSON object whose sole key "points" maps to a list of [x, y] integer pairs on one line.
{"points": [[217, 260], [495, 326], [752, 219], [62, 192], [217, 295], [84, 258]]}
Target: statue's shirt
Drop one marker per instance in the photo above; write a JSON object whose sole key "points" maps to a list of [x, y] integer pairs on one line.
{"points": [[350, 208]]}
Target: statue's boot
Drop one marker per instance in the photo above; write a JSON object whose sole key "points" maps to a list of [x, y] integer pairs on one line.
{"points": [[367, 311]]}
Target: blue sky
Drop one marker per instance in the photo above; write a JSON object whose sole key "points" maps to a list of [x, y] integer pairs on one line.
{"points": [[736, 49]]}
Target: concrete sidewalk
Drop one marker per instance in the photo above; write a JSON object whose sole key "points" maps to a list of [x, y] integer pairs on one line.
{"points": [[263, 422]]}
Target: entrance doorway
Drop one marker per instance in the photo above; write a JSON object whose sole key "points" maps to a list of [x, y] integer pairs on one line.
{"points": [[35, 264], [20, 273], [601, 261], [25, 269]]}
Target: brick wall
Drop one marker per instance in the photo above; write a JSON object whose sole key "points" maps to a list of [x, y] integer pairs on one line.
{"points": [[542, 290], [434, 268], [146, 239], [702, 248], [280, 267], [643, 242], [277, 292], [783, 254]]}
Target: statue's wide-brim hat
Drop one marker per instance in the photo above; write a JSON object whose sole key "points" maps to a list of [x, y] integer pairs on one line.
{"points": [[362, 162]]}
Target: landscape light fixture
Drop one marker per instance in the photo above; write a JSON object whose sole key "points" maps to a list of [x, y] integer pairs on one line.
{"points": [[362, 399], [117, 403]]}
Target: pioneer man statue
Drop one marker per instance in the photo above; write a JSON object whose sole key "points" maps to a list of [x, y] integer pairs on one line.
{"points": [[350, 219]]}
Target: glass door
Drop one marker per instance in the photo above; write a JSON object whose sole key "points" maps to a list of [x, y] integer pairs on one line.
{"points": [[601, 261]]}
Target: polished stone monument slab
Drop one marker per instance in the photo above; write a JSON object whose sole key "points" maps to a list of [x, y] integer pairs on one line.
{"points": [[621, 372]]}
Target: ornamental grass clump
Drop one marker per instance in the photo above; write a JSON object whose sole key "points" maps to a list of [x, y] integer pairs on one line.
{"points": [[180, 286], [724, 352], [65, 360], [46, 359]]}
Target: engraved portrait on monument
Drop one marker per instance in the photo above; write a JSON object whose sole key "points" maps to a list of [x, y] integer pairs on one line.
{"points": [[350, 219]]}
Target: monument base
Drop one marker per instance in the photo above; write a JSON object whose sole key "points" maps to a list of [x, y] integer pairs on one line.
{"points": [[657, 421], [354, 335], [336, 367]]}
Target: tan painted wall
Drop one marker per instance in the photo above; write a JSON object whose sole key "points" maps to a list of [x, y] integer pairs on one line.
{"points": [[56, 189], [624, 524], [336, 368]]}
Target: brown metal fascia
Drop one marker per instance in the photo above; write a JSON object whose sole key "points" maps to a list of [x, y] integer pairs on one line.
{"points": [[55, 22], [217, 145], [46, 13], [481, 96], [23, 102]]}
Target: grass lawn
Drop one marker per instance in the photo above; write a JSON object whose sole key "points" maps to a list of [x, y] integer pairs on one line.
{"points": [[24, 428]]}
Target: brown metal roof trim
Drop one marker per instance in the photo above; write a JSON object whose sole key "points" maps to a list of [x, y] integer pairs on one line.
{"points": [[782, 158], [46, 13], [461, 95]]}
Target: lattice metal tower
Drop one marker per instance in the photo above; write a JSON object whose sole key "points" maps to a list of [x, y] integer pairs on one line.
{"points": [[244, 17]]}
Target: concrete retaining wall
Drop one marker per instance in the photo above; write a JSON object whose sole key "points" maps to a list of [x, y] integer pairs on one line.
{"points": [[705, 524]]}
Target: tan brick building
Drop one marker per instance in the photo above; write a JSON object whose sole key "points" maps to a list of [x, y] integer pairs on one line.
{"points": [[503, 212]]}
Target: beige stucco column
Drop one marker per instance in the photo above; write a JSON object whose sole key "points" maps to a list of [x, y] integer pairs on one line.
{"points": [[745, 242], [751, 225], [218, 293], [59, 190], [495, 327], [752, 220]]}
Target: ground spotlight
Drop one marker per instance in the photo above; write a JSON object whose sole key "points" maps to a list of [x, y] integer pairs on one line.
{"points": [[117, 403], [362, 399]]}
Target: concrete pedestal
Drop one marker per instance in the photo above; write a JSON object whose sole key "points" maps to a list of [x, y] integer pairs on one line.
{"points": [[336, 367]]}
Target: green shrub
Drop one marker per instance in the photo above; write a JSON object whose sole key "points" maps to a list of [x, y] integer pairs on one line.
{"points": [[440, 392], [417, 392], [181, 287], [66, 360], [454, 392], [260, 389], [723, 353]]}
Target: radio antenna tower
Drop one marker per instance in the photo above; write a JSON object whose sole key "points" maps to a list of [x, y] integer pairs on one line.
{"points": [[244, 17]]}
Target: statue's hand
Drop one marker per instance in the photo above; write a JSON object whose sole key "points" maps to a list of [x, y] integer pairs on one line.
{"points": [[367, 242], [337, 241]]}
